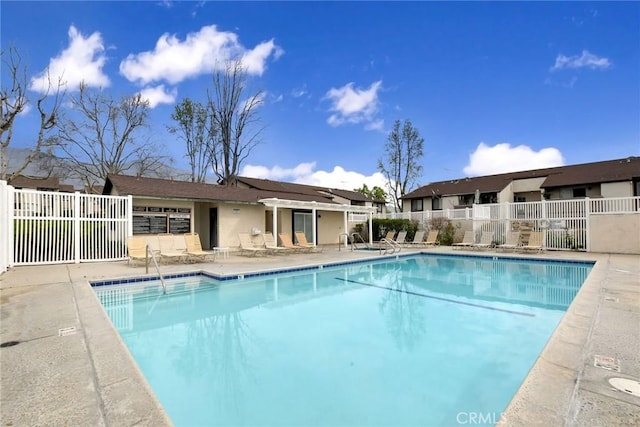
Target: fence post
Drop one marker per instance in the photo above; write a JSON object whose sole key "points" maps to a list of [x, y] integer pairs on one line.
{"points": [[6, 229], [130, 216], [587, 217], [76, 227]]}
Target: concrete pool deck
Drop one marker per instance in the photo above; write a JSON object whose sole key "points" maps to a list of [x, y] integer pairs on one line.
{"points": [[68, 365]]}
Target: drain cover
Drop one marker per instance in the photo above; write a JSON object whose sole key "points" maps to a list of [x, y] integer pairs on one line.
{"points": [[606, 362], [631, 387]]}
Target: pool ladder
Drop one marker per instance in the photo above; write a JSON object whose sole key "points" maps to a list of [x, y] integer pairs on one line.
{"points": [[391, 246], [155, 262], [356, 239]]}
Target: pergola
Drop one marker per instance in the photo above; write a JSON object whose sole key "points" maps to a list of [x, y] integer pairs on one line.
{"points": [[276, 203]]}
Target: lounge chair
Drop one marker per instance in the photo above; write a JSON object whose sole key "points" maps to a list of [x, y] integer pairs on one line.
{"points": [[168, 250], [247, 247], [418, 239], [535, 242], [287, 242], [194, 248], [272, 246], [389, 236], [137, 249], [486, 240], [512, 242], [468, 240], [432, 238], [302, 241], [401, 237]]}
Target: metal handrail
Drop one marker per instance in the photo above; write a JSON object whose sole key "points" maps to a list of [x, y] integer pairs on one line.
{"points": [[391, 243], [155, 262], [353, 241]]}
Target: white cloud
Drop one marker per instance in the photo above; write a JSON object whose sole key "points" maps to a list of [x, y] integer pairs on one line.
{"points": [[174, 60], [82, 61], [584, 60], [503, 158], [159, 95], [305, 173], [298, 92], [351, 105]]}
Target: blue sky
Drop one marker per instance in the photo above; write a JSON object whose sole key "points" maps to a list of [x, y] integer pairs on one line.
{"points": [[491, 87]]}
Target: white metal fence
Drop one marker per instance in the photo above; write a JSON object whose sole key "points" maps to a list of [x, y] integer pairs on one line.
{"points": [[43, 227], [564, 222]]}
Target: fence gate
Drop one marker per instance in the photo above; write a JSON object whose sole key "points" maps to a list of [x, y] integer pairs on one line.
{"points": [[52, 227]]}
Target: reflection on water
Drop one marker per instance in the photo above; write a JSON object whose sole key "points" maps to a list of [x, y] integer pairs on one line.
{"points": [[283, 349]]}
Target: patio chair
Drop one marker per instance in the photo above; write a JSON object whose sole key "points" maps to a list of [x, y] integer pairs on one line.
{"points": [[418, 239], [137, 249], [535, 242], [287, 242], [168, 251], [468, 240], [247, 247], [432, 238], [512, 242], [302, 241], [272, 246], [194, 248], [390, 235], [401, 237], [486, 240]]}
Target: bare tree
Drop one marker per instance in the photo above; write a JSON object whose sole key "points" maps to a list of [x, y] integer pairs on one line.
{"points": [[15, 101], [232, 119], [101, 138], [193, 127], [400, 165]]}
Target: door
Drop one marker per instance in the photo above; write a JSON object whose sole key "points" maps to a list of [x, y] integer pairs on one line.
{"points": [[213, 227], [303, 221]]}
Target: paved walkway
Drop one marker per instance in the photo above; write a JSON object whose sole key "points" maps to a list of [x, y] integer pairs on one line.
{"points": [[63, 363]]}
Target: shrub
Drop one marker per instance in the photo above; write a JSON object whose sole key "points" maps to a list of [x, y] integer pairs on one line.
{"points": [[446, 230]]}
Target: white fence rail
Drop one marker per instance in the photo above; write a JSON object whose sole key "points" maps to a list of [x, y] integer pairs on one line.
{"points": [[45, 227], [564, 222]]}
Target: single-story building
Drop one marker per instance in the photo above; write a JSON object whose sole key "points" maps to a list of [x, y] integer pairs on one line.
{"points": [[218, 213], [611, 178]]}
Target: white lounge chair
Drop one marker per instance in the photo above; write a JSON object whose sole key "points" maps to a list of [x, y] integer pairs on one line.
{"points": [[535, 242], [247, 247], [418, 239], [468, 240], [486, 240], [512, 242]]}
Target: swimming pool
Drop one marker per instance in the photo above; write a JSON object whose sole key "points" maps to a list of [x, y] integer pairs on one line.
{"points": [[417, 340]]}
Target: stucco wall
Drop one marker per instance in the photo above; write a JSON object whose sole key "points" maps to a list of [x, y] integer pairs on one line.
{"points": [[238, 218], [330, 225], [613, 233], [616, 189]]}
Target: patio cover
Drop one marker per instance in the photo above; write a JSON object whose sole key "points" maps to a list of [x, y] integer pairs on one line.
{"points": [[319, 206]]}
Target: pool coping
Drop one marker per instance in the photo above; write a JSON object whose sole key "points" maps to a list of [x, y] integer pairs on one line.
{"points": [[557, 390]]}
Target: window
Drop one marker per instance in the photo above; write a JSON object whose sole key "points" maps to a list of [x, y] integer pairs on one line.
{"points": [[416, 205], [579, 192], [519, 199], [465, 200], [436, 204]]}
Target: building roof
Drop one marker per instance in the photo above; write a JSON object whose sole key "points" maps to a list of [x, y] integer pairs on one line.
{"points": [[51, 183], [592, 173], [588, 173], [289, 187], [126, 185]]}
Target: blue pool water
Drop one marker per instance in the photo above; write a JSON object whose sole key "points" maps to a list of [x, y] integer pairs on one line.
{"points": [[418, 341]]}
